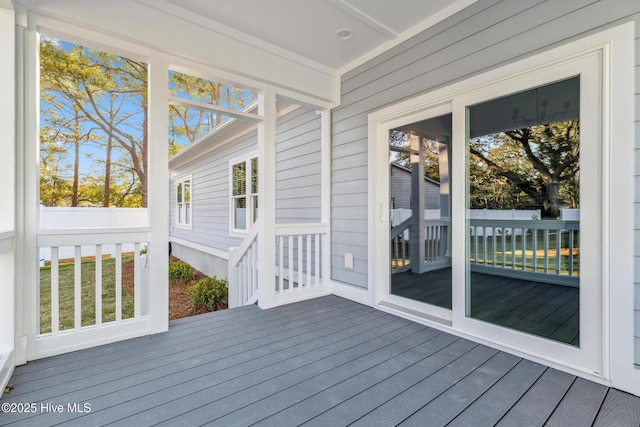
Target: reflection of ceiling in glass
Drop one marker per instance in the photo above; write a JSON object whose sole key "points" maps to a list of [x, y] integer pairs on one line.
{"points": [[436, 128], [542, 105]]}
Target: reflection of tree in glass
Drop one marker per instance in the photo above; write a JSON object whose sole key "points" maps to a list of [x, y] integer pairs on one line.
{"points": [[537, 166], [430, 151]]}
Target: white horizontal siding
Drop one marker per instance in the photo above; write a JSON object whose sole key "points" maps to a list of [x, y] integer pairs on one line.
{"points": [[484, 36]]}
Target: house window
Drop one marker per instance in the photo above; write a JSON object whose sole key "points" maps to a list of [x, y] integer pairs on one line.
{"points": [[244, 193], [183, 202]]}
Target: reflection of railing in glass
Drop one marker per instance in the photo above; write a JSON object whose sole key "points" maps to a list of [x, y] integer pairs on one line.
{"points": [[547, 251], [435, 245]]}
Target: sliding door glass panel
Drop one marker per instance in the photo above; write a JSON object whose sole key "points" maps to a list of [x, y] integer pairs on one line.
{"points": [[523, 211], [419, 171]]}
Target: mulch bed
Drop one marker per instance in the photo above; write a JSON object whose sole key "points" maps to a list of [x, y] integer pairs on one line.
{"points": [[179, 305]]}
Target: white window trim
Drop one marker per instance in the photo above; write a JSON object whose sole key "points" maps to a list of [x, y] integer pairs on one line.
{"points": [[246, 158], [183, 225], [615, 45]]}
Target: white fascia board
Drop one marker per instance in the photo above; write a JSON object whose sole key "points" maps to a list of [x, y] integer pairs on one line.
{"points": [[152, 24]]}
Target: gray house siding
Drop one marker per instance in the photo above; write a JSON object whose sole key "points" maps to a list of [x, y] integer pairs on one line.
{"points": [[210, 195], [298, 167], [637, 195], [297, 188], [484, 36]]}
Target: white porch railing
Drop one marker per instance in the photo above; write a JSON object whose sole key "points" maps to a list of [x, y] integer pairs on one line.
{"points": [[400, 256], [82, 289], [541, 250], [244, 269], [298, 259], [298, 262]]}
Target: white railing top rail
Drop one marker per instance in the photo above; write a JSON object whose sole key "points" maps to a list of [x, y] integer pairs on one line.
{"points": [[301, 228], [87, 236], [237, 253], [531, 224]]}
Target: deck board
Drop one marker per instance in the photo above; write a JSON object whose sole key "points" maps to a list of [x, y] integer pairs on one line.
{"points": [[580, 405], [449, 404], [619, 409], [326, 361], [488, 409]]}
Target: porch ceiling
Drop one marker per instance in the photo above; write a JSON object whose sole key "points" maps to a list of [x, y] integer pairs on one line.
{"points": [[308, 28], [300, 33]]}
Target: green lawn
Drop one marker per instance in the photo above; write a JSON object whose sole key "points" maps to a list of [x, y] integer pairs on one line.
{"points": [[66, 290]]}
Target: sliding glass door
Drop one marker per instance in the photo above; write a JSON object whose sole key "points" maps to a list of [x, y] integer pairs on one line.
{"points": [[495, 211], [420, 202], [523, 211]]}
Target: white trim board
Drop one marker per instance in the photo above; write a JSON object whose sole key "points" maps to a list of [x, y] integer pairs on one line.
{"points": [[202, 248]]}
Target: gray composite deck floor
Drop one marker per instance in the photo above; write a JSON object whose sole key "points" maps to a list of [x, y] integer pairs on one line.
{"points": [[550, 311], [322, 362]]}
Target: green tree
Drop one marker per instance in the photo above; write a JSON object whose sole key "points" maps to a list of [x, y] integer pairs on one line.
{"points": [[88, 80], [430, 153], [187, 125]]}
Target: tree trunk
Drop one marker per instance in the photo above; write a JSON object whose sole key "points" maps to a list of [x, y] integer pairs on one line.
{"points": [[76, 174], [107, 174], [552, 201]]}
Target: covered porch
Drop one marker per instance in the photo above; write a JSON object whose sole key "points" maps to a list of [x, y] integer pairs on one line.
{"points": [[326, 361]]}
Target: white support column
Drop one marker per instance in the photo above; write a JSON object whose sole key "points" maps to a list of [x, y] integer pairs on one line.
{"points": [[325, 195], [158, 193], [27, 190], [267, 197], [417, 199], [7, 175]]}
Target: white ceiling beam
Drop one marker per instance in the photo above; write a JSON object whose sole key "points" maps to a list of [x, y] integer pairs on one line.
{"points": [[367, 20], [210, 108], [441, 15]]}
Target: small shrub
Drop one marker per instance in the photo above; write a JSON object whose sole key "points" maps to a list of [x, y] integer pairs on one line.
{"points": [[180, 270], [208, 292]]}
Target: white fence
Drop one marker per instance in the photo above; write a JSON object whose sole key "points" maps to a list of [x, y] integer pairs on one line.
{"points": [[80, 218]]}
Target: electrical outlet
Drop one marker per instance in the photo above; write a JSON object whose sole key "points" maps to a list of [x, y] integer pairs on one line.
{"points": [[348, 261]]}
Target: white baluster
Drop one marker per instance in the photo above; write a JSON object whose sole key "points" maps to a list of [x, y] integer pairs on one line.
{"points": [[77, 288], [55, 292], [118, 282], [98, 285]]}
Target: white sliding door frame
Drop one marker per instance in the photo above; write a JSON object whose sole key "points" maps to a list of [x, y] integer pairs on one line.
{"points": [[604, 62]]}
